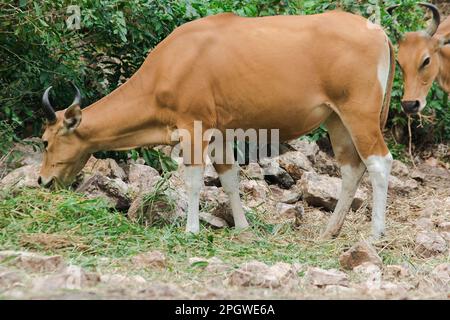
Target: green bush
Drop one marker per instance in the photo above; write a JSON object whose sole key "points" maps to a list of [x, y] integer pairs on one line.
{"points": [[8, 137], [37, 49]]}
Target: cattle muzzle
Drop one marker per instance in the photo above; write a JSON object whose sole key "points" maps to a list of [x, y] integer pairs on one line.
{"points": [[411, 107], [45, 184]]}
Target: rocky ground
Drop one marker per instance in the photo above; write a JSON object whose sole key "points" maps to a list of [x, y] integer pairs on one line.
{"points": [[288, 200]]}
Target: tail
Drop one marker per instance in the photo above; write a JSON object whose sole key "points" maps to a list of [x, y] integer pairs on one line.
{"points": [[390, 82]]}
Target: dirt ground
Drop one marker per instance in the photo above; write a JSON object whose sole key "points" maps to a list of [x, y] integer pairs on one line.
{"points": [[405, 273]]}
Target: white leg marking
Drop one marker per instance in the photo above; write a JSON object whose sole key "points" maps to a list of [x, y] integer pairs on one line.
{"points": [[194, 182], [230, 183], [351, 176], [379, 170]]}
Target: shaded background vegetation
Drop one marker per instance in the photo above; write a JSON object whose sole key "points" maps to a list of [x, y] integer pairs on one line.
{"points": [[38, 50]]}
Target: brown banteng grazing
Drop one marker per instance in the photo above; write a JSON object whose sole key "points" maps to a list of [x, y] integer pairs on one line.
{"points": [[424, 57], [291, 73]]}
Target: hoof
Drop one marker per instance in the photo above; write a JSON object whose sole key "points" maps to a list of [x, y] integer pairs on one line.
{"points": [[377, 233], [193, 230], [375, 237], [328, 235], [242, 226]]}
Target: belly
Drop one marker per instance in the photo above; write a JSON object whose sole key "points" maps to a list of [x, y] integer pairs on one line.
{"points": [[290, 121]]}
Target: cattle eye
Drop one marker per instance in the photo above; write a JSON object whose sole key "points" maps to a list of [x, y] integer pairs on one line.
{"points": [[45, 144], [426, 62]]}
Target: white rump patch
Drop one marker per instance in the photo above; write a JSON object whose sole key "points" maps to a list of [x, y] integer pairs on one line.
{"points": [[384, 66]]}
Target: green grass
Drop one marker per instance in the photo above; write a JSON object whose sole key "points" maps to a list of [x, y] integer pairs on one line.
{"points": [[91, 230], [99, 238], [99, 231]]}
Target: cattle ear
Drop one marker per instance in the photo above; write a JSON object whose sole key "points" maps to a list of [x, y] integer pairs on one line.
{"points": [[445, 40], [72, 118]]}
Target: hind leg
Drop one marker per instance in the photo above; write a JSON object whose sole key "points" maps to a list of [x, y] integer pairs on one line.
{"points": [[352, 170], [229, 178], [364, 128]]}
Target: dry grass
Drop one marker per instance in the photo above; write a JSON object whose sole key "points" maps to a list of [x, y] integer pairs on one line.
{"points": [[52, 241], [89, 233]]}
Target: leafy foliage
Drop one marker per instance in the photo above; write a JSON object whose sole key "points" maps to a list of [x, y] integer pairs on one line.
{"points": [[37, 49], [158, 160], [7, 132]]}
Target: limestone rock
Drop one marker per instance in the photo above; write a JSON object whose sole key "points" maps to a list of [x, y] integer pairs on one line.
{"points": [[430, 208], [285, 196], [290, 211], [388, 290], [323, 191], [212, 220], [424, 224], [441, 276], [445, 235], [402, 186], [72, 277], [10, 278], [254, 191], [418, 175], [26, 152], [396, 271], [321, 278], [370, 274], [150, 260], [214, 201], [429, 244], [212, 265], [32, 261], [399, 169], [307, 148], [122, 280], [274, 174], [24, 177], [253, 171], [105, 167], [295, 163], [444, 226], [358, 254], [255, 273], [110, 190], [142, 178], [165, 206], [326, 165]]}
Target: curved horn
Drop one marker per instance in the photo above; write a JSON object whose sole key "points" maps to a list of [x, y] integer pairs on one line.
{"points": [[77, 99], [432, 28], [48, 109]]}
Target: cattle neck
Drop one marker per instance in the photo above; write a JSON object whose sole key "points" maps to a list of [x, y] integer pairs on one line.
{"points": [[444, 74], [127, 118]]}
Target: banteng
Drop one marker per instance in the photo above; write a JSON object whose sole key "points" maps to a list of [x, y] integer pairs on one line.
{"points": [[292, 73], [424, 56]]}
